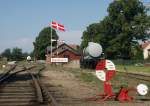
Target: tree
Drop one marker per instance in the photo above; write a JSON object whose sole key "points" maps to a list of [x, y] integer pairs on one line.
{"points": [[90, 34], [42, 41], [7, 53], [17, 54], [137, 52], [31, 54], [127, 23], [25, 54]]}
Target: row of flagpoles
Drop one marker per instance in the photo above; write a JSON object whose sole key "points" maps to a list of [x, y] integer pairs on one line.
{"points": [[57, 26]]}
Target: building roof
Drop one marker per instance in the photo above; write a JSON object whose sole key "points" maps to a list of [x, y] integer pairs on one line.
{"points": [[72, 47], [75, 50], [69, 51], [144, 45]]}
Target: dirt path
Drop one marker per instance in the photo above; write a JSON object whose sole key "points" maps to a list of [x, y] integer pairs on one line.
{"points": [[68, 84], [72, 87]]}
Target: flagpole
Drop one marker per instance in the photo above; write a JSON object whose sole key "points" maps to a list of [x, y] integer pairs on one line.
{"points": [[51, 41], [57, 47], [59, 27]]}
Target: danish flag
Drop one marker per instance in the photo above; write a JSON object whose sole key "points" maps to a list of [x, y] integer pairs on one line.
{"points": [[55, 25]]}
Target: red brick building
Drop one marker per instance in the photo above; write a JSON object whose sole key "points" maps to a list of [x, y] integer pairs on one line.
{"points": [[64, 51]]}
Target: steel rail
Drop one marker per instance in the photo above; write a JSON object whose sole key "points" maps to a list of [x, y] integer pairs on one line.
{"points": [[51, 100], [8, 71], [8, 75], [40, 98], [40, 88], [136, 76]]}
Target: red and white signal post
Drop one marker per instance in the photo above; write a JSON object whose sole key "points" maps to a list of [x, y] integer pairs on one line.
{"points": [[105, 71]]}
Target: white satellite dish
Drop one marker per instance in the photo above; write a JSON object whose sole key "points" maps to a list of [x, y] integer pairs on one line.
{"points": [[142, 89]]}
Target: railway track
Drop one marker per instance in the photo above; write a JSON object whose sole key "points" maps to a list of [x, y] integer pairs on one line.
{"points": [[24, 88], [136, 76]]}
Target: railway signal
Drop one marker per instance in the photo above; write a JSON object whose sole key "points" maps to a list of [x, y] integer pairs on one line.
{"points": [[105, 71], [142, 89], [60, 27]]}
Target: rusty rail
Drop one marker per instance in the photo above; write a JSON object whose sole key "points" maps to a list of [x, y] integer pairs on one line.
{"points": [[40, 98], [40, 88], [42, 91], [8, 71], [137, 76], [8, 75], [51, 100]]}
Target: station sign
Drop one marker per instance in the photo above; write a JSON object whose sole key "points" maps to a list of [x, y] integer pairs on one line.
{"points": [[59, 60]]}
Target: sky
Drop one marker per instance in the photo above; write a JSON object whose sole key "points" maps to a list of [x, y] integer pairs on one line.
{"points": [[22, 20]]}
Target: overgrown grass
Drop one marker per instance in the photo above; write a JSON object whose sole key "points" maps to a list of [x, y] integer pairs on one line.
{"points": [[118, 81], [133, 68], [87, 77], [90, 78]]}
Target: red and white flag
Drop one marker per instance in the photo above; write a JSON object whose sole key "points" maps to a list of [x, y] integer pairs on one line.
{"points": [[61, 27], [57, 26]]}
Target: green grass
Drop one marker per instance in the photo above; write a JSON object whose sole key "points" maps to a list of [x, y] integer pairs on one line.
{"points": [[90, 78], [84, 75], [119, 80], [87, 77], [133, 68]]}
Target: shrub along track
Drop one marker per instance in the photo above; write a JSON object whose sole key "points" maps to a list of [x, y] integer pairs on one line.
{"points": [[23, 88]]}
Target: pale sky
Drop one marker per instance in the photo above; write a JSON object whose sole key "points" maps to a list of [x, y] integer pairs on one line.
{"points": [[22, 20]]}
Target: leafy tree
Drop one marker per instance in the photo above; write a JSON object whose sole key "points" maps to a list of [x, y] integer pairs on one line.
{"points": [[137, 52], [7, 53], [31, 54], [90, 34], [25, 54], [127, 23], [17, 54], [42, 41]]}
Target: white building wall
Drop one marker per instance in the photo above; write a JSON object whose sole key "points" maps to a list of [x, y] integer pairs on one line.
{"points": [[145, 52]]}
